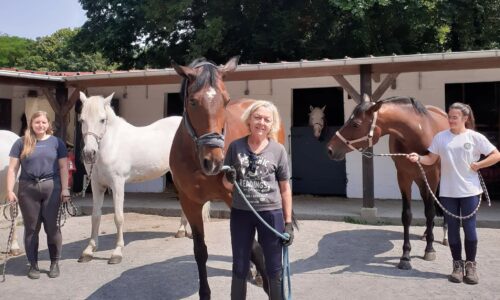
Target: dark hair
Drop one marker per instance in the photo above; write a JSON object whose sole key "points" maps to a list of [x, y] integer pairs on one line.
{"points": [[466, 111]]}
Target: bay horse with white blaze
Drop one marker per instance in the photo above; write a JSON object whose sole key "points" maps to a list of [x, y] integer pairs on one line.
{"points": [[210, 123], [410, 127]]}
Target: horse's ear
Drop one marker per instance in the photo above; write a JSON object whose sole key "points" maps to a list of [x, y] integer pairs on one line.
{"points": [[323, 108], [230, 66], [375, 107], [311, 108], [186, 72], [107, 100], [83, 98]]}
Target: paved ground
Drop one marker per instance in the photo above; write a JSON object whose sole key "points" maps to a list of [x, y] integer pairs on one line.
{"points": [[330, 260]]}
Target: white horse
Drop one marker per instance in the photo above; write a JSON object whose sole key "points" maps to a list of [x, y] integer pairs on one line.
{"points": [[117, 152], [317, 120], [7, 139]]}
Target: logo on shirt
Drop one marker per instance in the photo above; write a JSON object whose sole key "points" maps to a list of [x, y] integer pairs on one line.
{"points": [[467, 146]]}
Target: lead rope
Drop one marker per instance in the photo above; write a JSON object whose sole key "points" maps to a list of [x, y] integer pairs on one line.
{"points": [[481, 180], [66, 209], [13, 212], [285, 276]]}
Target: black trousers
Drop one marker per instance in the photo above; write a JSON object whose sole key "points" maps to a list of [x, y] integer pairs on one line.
{"points": [[39, 203]]}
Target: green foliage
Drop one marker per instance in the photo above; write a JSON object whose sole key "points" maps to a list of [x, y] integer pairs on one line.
{"points": [[150, 33], [56, 52], [12, 49]]}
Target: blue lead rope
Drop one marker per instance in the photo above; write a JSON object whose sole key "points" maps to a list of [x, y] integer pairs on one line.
{"points": [[285, 261]]}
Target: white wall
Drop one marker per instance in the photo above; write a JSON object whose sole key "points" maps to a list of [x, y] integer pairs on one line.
{"points": [[145, 105]]}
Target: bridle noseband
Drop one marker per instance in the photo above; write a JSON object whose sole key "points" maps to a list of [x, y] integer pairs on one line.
{"points": [[98, 138], [368, 137], [211, 139]]}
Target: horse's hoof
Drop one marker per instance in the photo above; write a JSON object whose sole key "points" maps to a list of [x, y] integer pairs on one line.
{"points": [[115, 260], [85, 258], [430, 256], [180, 234], [445, 243], [404, 265], [15, 252]]}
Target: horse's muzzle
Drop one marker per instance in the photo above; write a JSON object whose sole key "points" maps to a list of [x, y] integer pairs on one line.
{"points": [[335, 154], [89, 156]]}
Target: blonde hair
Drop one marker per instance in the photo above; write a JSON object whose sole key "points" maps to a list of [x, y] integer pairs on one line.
{"points": [[273, 133], [29, 139], [466, 111]]}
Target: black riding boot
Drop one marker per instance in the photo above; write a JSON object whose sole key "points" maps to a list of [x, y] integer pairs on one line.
{"points": [[238, 288], [276, 288]]}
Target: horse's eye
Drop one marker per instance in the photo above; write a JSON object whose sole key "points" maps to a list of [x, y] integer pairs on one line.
{"points": [[103, 121], [356, 124], [192, 102]]}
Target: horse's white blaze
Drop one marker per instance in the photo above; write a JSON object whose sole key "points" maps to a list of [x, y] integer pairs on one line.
{"points": [[7, 139], [211, 93], [123, 153]]}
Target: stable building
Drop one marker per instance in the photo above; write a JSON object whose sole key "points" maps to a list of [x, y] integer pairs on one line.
{"points": [[144, 96]]}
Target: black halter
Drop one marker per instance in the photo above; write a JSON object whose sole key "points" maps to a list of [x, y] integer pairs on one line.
{"points": [[212, 139]]}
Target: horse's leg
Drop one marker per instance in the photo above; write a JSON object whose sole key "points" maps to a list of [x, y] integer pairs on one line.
{"points": [[118, 190], [182, 231], [430, 213], [97, 199], [406, 218], [193, 213], [445, 232], [257, 257]]}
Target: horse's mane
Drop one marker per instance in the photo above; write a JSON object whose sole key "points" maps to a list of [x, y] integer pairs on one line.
{"points": [[207, 75], [93, 106], [398, 100]]}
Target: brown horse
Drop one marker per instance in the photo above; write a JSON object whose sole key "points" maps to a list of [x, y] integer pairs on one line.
{"points": [[410, 127], [210, 123]]}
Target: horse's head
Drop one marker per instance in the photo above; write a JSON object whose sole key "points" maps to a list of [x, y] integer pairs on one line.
{"points": [[94, 118], [205, 98], [358, 133], [317, 120]]}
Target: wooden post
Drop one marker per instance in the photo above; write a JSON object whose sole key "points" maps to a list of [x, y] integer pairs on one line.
{"points": [[368, 180], [61, 117]]}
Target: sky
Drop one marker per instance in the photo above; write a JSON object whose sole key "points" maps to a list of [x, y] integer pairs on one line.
{"points": [[38, 18]]}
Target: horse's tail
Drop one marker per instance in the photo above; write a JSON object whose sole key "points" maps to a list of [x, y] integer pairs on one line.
{"points": [[205, 212]]}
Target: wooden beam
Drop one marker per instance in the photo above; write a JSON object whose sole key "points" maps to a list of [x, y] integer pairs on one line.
{"points": [[71, 101], [438, 65], [348, 88], [386, 83], [27, 82], [52, 100], [368, 173]]}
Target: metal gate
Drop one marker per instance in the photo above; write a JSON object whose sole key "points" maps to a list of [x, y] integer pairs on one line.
{"points": [[312, 171]]}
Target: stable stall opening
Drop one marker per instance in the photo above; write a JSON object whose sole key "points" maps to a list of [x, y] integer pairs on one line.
{"points": [[312, 171]]}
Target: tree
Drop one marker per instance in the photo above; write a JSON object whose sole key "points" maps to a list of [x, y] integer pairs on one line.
{"points": [[57, 53], [149, 33], [13, 49]]}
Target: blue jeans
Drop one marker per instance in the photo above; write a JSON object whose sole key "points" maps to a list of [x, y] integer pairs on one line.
{"points": [[462, 206], [243, 225]]}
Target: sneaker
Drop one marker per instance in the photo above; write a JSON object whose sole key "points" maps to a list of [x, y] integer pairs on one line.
{"points": [[54, 270], [471, 273], [457, 275], [34, 272]]}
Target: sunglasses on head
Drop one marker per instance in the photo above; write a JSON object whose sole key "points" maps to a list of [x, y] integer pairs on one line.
{"points": [[252, 159]]}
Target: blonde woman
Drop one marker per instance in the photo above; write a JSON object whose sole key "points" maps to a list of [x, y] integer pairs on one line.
{"points": [[43, 184], [259, 165]]}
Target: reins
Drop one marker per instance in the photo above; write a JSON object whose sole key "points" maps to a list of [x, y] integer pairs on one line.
{"points": [[284, 236], [13, 212], [424, 177]]}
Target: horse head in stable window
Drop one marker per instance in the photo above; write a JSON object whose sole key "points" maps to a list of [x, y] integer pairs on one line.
{"points": [[205, 98], [317, 120]]}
